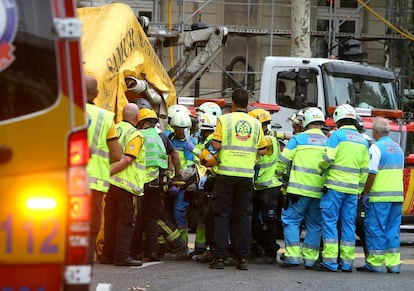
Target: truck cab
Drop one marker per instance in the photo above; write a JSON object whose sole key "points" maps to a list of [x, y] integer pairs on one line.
{"points": [[295, 83]]}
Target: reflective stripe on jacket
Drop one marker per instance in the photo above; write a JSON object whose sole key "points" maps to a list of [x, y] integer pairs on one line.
{"points": [[132, 178], [304, 152], [346, 160], [267, 168], [100, 122], [388, 184]]}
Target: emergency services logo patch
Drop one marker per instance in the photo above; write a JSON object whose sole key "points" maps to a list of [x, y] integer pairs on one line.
{"points": [[243, 130], [8, 29]]}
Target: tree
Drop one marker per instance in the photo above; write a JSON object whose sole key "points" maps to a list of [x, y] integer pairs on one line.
{"points": [[300, 26]]}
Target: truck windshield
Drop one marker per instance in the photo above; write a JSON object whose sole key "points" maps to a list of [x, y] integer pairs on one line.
{"points": [[360, 92]]}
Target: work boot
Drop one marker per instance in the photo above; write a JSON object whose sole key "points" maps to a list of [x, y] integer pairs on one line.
{"points": [[242, 264], [229, 261], [129, 262], [217, 264], [153, 257], [263, 259], [181, 254], [206, 257]]}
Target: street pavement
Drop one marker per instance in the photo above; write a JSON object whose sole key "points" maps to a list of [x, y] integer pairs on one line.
{"points": [[191, 275]]}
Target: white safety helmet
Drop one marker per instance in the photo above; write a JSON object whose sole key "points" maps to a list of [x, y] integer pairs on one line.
{"points": [[173, 109], [207, 121], [344, 111], [297, 117], [181, 119], [209, 108], [312, 114]]}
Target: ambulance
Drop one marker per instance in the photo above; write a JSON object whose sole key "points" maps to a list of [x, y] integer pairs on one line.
{"points": [[44, 196]]}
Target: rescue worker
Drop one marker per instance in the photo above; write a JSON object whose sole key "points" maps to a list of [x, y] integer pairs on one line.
{"points": [[126, 183], [181, 122], [207, 124], [345, 167], [151, 219], [172, 110], [209, 108], [384, 190], [104, 149], [238, 138], [266, 195], [301, 158]]}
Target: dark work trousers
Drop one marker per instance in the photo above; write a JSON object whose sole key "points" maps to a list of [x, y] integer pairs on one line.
{"points": [[359, 229], [209, 224], [95, 222], [232, 208], [148, 213], [264, 218], [119, 224]]}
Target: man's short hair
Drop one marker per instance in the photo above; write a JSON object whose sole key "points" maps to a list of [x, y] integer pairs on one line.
{"points": [[240, 98], [381, 125]]}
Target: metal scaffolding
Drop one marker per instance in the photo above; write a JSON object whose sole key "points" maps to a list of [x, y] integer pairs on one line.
{"points": [[262, 27]]}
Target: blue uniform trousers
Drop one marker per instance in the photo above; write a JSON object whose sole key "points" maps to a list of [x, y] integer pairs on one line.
{"points": [[304, 209], [338, 206], [382, 235]]}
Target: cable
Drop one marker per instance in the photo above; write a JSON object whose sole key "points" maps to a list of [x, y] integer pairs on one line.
{"points": [[389, 24]]}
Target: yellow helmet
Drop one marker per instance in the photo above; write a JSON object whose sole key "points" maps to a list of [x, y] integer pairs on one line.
{"points": [[207, 158], [147, 113], [261, 114]]}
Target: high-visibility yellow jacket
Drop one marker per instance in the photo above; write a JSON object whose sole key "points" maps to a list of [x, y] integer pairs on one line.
{"points": [[302, 155]]}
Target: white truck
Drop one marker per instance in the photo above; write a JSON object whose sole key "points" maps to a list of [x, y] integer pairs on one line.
{"points": [[295, 83]]}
